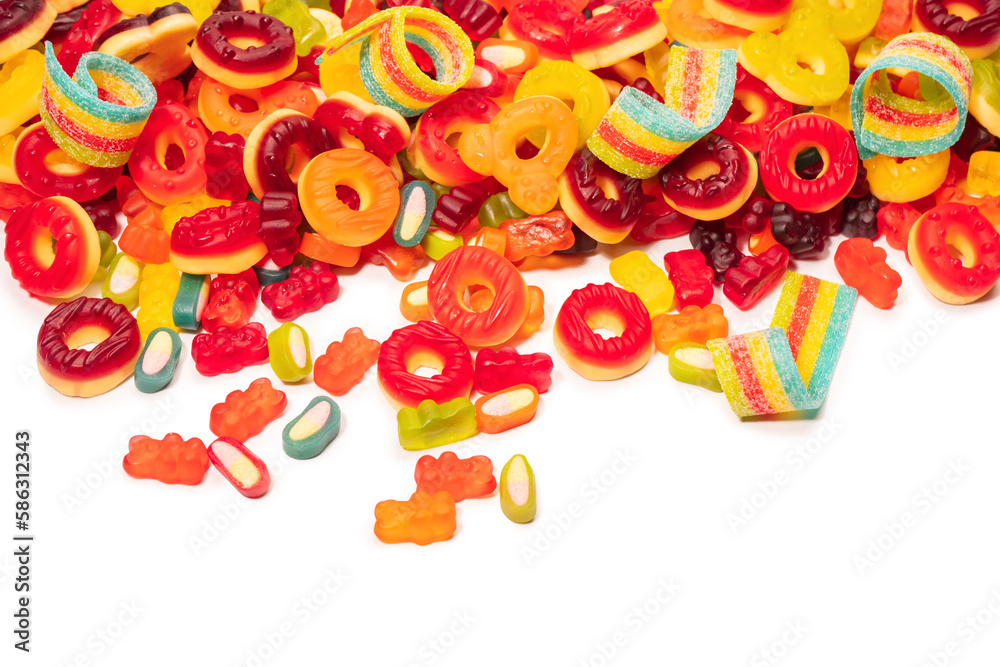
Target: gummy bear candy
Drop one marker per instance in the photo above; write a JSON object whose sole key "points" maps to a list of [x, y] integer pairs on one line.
{"points": [[462, 478], [171, 460]]}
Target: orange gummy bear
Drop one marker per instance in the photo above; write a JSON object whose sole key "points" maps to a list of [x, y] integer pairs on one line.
{"points": [[245, 413], [422, 519], [172, 460], [693, 325], [346, 362]]}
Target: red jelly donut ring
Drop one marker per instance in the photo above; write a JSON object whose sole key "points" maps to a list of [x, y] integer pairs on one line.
{"points": [[52, 247], [74, 371], [155, 172], [944, 232], [226, 109], [23, 23], [710, 180], [46, 170], [356, 123], [606, 307], [424, 344], [978, 35], [545, 23], [244, 49], [623, 31], [284, 137], [471, 266], [835, 146], [755, 111], [430, 149], [603, 203]]}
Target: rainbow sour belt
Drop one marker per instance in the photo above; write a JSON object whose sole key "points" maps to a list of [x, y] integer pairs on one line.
{"points": [[902, 127], [96, 116], [788, 367], [389, 72], [638, 136]]}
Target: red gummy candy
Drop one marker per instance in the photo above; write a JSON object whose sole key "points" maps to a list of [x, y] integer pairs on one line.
{"points": [[496, 370], [306, 290], [172, 460], [224, 167], [228, 350], [894, 222], [747, 283], [862, 266], [345, 363], [691, 278], [279, 224]]}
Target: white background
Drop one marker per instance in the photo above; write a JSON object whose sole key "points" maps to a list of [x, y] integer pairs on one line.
{"points": [[119, 577]]}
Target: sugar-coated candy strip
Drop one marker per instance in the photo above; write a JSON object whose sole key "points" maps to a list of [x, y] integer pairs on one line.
{"points": [[638, 136], [517, 490], [156, 364], [241, 467], [788, 367], [312, 430], [98, 115], [388, 70], [888, 123]]}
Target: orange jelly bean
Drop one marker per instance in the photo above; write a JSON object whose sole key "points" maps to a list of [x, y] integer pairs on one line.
{"points": [[507, 408]]}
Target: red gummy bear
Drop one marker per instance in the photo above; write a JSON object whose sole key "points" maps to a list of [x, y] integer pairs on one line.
{"points": [[894, 221], [345, 363], [232, 301], [172, 460], [224, 167], [307, 289], [747, 283], [862, 266], [507, 368], [691, 278], [462, 478], [244, 414], [228, 350]]}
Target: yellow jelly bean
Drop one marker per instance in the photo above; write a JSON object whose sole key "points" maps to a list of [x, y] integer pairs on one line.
{"points": [[805, 64], [867, 50], [20, 82], [567, 81], [850, 22]]}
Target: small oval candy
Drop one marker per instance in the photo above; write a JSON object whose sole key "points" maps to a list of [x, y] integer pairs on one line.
{"points": [[507, 408], [240, 467], [155, 367], [121, 283], [316, 427], [692, 363], [517, 490], [288, 351], [416, 204], [191, 299]]}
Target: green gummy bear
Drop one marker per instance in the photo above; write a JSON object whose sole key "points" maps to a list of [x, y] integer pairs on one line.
{"points": [[306, 28]]}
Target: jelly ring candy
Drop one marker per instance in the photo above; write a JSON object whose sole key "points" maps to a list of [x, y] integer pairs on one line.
{"points": [[571, 83], [849, 23], [982, 174], [517, 490], [430, 345], [706, 195], [507, 408], [761, 15], [221, 239], [775, 59], [955, 228], [639, 136], [157, 44], [906, 179], [20, 81], [284, 136], [468, 266], [24, 24], [98, 115], [690, 24], [422, 519], [156, 364], [692, 363], [333, 219], [121, 282], [545, 23], [388, 70], [288, 352], [72, 370], [316, 247], [431, 425], [602, 202], [236, 111], [354, 122], [760, 111], [492, 149], [430, 150], [416, 204], [170, 123], [888, 123], [172, 460], [627, 29], [307, 435], [603, 307], [46, 170], [978, 35], [777, 163], [52, 248], [268, 57], [241, 467]]}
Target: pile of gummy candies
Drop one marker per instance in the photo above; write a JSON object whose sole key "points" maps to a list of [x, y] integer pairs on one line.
{"points": [[253, 147]]}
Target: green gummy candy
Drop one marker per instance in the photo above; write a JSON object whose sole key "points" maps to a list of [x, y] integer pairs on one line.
{"points": [[156, 365], [432, 425], [316, 427], [692, 363], [306, 28], [498, 209], [121, 283], [191, 299]]}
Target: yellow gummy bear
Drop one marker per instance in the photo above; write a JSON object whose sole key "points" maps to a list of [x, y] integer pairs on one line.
{"points": [[807, 39], [156, 297], [850, 22], [637, 273]]}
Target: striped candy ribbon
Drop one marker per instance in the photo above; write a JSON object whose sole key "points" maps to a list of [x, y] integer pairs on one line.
{"points": [[788, 367]]}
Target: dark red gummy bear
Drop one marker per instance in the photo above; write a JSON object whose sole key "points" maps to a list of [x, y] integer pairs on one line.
{"points": [[279, 225], [228, 350], [224, 167], [860, 217], [804, 234], [747, 283], [718, 244], [753, 217], [496, 370]]}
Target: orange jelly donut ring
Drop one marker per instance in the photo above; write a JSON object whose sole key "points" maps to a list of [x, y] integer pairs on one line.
{"points": [[52, 247], [429, 345], [279, 148], [333, 219], [244, 49], [74, 371], [955, 228], [234, 111], [470, 266], [606, 307]]}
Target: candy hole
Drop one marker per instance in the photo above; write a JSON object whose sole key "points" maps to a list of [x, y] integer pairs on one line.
{"points": [[749, 108], [811, 62], [43, 247], [453, 139], [86, 337], [478, 298], [59, 163], [246, 41], [608, 187], [424, 363], [173, 157], [243, 104], [295, 162], [699, 171], [961, 10], [605, 324], [809, 163], [960, 248], [349, 196], [348, 140]]}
